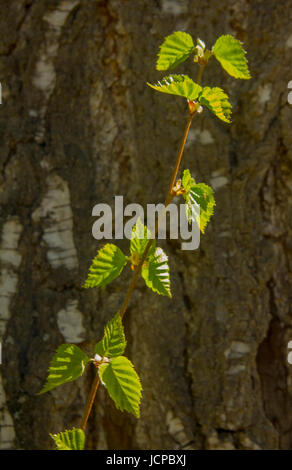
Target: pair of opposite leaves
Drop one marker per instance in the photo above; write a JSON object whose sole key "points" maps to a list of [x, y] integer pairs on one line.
{"points": [[177, 47]]}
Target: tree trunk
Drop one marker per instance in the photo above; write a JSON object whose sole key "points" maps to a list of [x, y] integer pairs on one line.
{"points": [[79, 126]]}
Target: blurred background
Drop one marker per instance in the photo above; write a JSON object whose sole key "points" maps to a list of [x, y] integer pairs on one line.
{"points": [[78, 126]]}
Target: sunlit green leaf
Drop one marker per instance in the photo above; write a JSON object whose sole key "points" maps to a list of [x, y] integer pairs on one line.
{"points": [[113, 342], [67, 365], [175, 49], [231, 55], [155, 272], [122, 384], [139, 240], [180, 85], [106, 266], [73, 439], [187, 180], [216, 101], [199, 200]]}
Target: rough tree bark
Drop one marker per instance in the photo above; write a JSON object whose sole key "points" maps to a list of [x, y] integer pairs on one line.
{"points": [[78, 126]]}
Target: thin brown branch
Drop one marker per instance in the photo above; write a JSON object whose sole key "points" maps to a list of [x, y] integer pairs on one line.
{"points": [[200, 73], [168, 200], [90, 401]]}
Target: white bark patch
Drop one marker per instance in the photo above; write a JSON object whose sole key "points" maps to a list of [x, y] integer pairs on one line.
{"points": [[70, 324], [174, 7], [237, 350], [110, 129], [45, 76], [9, 243], [176, 428], [56, 211], [95, 99], [32, 113], [8, 285], [10, 260], [235, 370], [7, 433], [226, 234], [57, 18], [265, 93], [204, 137], [247, 443], [217, 180], [289, 42]]}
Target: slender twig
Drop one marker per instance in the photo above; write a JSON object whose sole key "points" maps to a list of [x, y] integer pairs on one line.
{"points": [[90, 401], [168, 199], [138, 269], [200, 73], [178, 161]]}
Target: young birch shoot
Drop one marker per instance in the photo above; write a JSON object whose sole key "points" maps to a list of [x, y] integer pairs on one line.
{"points": [[114, 371]]}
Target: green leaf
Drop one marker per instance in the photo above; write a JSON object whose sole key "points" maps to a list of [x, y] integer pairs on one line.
{"points": [[113, 342], [231, 55], [139, 240], [175, 49], [73, 439], [122, 384], [155, 272], [187, 180], [106, 266], [67, 365], [180, 85], [217, 101], [199, 195]]}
